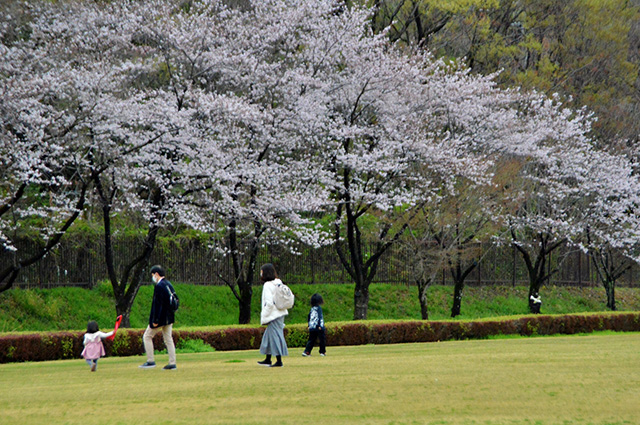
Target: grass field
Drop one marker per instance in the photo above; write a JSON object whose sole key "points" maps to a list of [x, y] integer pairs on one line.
{"points": [[592, 379]]}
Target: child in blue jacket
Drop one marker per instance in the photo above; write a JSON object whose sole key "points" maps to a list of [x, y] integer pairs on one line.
{"points": [[316, 326]]}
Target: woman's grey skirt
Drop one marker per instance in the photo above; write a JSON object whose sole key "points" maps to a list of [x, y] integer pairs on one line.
{"points": [[273, 339]]}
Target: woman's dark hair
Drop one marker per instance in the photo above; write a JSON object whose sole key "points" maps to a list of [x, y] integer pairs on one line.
{"points": [[92, 327], [316, 299], [268, 272]]}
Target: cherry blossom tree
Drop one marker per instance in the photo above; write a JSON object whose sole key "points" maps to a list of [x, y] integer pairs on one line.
{"points": [[203, 126], [543, 221], [427, 261], [45, 106], [566, 194], [462, 221], [122, 134], [252, 183], [460, 124], [545, 204], [612, 225], [444, 237], [383, 125]]}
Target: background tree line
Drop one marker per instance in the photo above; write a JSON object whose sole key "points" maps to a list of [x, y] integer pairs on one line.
{"points": [[586, 51], [277, 122]]}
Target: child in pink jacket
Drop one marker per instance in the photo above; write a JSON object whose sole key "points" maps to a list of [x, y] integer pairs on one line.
{"points": [[93, 348]]}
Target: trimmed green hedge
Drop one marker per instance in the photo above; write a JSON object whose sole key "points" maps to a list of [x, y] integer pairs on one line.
{"points": [[68, 345]]}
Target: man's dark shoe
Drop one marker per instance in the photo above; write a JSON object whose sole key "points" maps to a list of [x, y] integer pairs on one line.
{"points": [[147, 365], [170, 367], [265, 363], [276, 364]]}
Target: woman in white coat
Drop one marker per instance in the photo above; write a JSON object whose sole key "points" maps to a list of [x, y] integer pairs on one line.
{"points": [[273, 342]]}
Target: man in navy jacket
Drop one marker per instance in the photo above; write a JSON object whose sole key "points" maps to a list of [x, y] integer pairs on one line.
{"points": [[161, 319]]}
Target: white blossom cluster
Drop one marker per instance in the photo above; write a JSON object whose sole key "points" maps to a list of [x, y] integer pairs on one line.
{"points": [[263, 115]]}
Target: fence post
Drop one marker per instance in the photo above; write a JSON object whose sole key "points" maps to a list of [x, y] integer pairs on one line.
{"points": [[513, 268], [579, 268], [313, 266]]}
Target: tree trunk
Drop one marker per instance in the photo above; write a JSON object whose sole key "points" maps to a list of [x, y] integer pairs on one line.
{"points": [[124, 308], [126, 288], [536, 278], [362, 272], [457, 298], [8, 275], [361, 302], [534, 293], [133, 282], [358, 261], [422, 297], [244, 304], [609, 271], [536, 269], [611, 295], [459, 276], [244, 267]]}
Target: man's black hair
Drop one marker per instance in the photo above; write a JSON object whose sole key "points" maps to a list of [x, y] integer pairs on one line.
{"points": [[157, 269]]}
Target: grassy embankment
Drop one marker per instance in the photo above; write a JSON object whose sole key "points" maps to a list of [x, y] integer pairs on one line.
{"points": [[71, 308]]}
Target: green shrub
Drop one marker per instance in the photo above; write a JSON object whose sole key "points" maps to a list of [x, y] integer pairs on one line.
{"points": [[194, 346], [126, 343], [296, 335], [61, 345], [189, 346]]}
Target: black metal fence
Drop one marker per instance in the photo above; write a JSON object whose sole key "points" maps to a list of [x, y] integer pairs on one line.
{"points": [[76, 263]]}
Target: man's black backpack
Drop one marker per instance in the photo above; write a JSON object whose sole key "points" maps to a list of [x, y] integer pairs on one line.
{"points": [[174, 301]]}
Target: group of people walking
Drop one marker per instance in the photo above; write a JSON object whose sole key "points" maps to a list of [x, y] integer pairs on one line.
{"points": [[162, 317]]}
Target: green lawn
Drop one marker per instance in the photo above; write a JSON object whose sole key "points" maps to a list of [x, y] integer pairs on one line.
{"points": [[592, 379]]}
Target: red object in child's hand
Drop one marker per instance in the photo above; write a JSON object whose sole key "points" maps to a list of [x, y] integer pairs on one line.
{"points": [[115, 328]]}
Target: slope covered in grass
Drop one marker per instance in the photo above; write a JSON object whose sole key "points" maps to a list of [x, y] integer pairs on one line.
{"points": [[71, 308]]}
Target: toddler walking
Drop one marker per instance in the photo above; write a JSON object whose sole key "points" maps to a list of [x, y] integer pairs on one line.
{"points": [[93, 348], [316, 326]]}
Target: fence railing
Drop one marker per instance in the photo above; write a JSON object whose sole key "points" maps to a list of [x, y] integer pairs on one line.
{"points": [[74, 263]]}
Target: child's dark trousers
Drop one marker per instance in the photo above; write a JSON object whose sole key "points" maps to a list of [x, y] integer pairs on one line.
{"points": [[318, 334]]}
